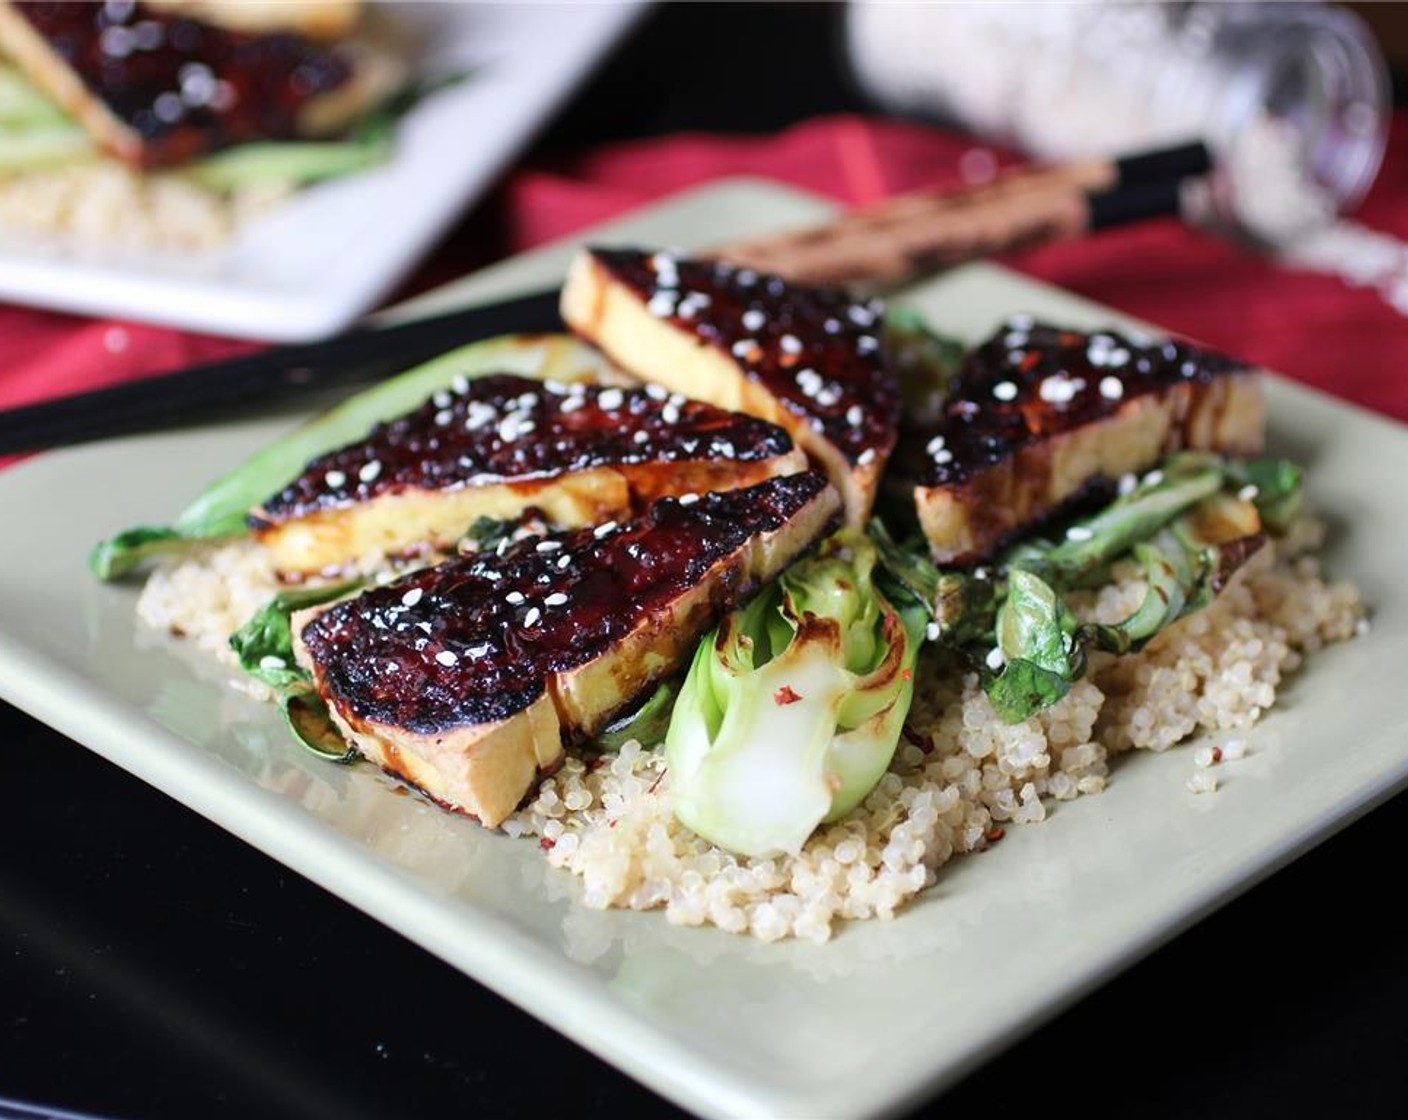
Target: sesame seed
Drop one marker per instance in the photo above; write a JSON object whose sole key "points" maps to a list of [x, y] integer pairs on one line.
{"points": [[548, 546], [809, 381], [656, 392], [832, 326], [611, 399], [670, 414], [641, 436], [606, 528], [745, 347], [866, 457], [513, 598], [1248, 492], [479, 414], [272, 661], [1153, 478], [531, 618], [867, 344], [1059, 390], [829, 397], [996, 659], [746, 277], [571, 404], [412, 597], [1117, 357], [370, 471], [1079, 533], [334, 479], [1127, 484], [932, 631], [944, 456], [855, 417], [790, 344], [753, 319], [442, 399], [444, 416], [447, 657], [935, 445], [1111, 388], [459, 383], [688, 499], [564, 561], [1005, 391], [861, 315], [556, 599]]}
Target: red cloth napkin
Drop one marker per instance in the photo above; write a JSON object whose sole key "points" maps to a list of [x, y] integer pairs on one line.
{"points": [[1314, 328]]}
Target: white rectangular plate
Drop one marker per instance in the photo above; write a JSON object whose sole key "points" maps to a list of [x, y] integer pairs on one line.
{"points": [[318, 261], [888, 1011]]}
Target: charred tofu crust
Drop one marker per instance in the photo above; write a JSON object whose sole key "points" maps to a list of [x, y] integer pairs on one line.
{"points": [[1037, 415], [157, 87], [807, 358], [492, 662], [499, 444]]}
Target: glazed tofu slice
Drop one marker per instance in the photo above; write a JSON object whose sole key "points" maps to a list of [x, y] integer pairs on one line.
{"points": [[468, 679], [499, 445], [155, 86], [1039, 414], [808, 359]]}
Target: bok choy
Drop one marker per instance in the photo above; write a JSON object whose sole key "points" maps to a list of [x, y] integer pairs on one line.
{"points": [[1189, 525], [792, 708]]}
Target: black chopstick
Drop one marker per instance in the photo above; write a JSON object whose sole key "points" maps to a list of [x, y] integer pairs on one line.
{"points": [[216, 390]]}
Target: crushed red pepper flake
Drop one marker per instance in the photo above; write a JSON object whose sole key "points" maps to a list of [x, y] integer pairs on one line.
{"points": [[786, 695], [993, 835], [547, 844]]}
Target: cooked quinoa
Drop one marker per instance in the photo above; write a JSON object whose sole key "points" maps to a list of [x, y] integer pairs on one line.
{"points": [[958, 779], [100, 204]]}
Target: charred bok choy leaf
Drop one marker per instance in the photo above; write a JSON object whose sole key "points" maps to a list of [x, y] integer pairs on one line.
{"points": [[792, 708], [1190, 526], [264, 646], [219, 511]]}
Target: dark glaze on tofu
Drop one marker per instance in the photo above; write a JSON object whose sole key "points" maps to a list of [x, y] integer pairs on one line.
{"points": [[183, 86], [473, 640], [506, 428], [1032, 381], [816, 349]]}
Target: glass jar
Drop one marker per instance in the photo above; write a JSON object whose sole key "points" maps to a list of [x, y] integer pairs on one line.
{"points": [[1292, 98]]}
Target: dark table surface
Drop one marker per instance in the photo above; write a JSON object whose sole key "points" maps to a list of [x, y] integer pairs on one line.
{"points": [[153, 966]]}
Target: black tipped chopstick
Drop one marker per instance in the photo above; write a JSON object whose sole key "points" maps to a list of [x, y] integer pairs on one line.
{"points": [[219, 390], [905, 236]]}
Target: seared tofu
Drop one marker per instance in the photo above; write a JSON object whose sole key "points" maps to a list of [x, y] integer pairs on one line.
{"points": [[468, 679], [499, 445], [1037, 415], [155, 86], [808, 359]]}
